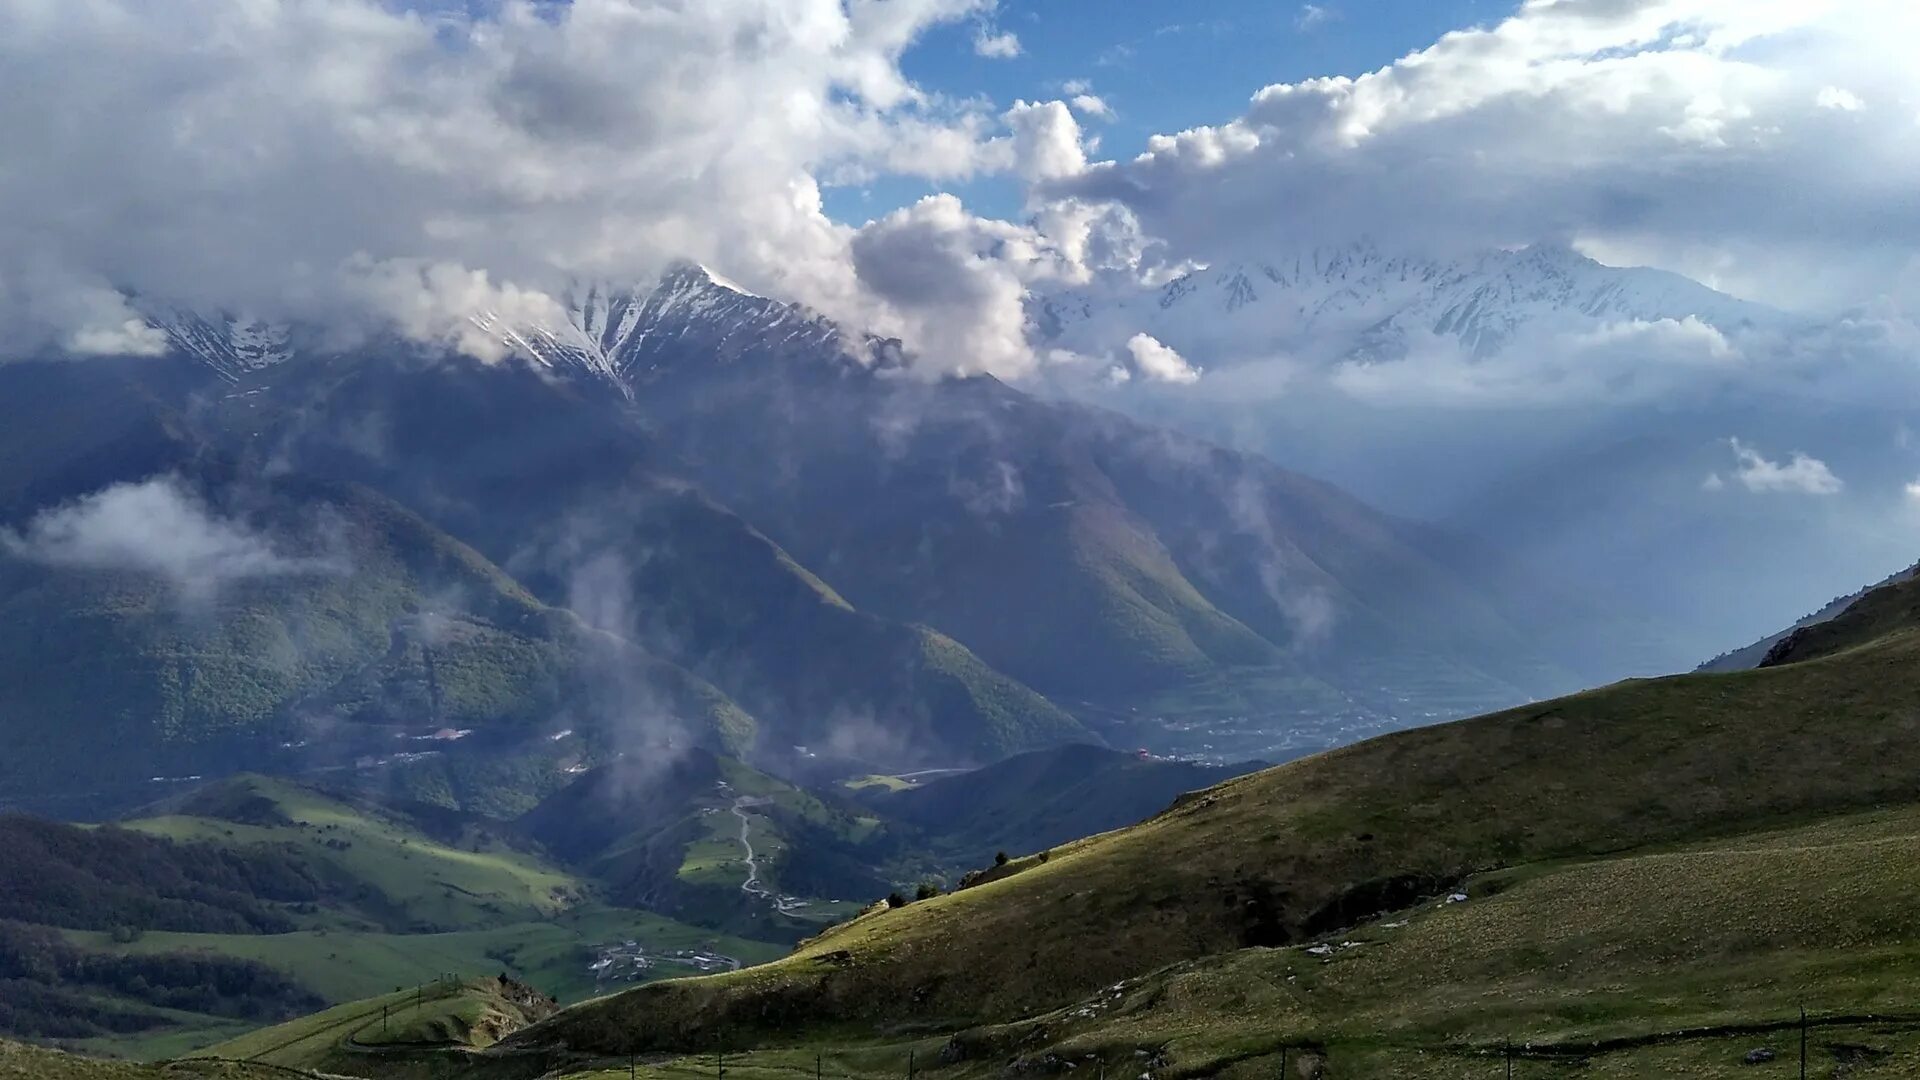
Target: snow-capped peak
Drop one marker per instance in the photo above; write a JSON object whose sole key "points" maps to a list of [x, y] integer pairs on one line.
{"points": [[234, 346], [624, 333]]}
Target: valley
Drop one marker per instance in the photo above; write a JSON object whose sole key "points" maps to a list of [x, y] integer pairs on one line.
{"points": [[1653, 878]]}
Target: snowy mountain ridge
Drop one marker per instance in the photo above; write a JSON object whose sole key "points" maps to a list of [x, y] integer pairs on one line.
{"points": [[620, 335], [1358, 302], [1354, 302], [625, 334], [233, 346]]}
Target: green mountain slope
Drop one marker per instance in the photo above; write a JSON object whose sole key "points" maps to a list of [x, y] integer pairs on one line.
{"points": [[165, 612], [573, 495], [1089, 556]]}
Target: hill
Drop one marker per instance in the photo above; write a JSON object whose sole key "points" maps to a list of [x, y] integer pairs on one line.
{"points": [[411, 1031], [252, 900], [676, 834], [1283, 858], [1752, 656], [19, 1062]]}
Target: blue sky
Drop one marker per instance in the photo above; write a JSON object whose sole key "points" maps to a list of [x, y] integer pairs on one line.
{"points": [[1161, 66]]}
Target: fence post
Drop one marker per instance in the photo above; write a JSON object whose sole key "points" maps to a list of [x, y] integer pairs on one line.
{"points": [[1509, 1057], [910, 1065], [1283, 1063], [816, 1065], [1803, 1042]]}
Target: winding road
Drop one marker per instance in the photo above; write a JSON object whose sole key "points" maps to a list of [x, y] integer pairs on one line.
{"points": [[752, 887]]}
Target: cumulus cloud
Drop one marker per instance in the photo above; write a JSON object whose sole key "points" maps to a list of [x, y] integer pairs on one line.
{"points": [[158, 527], [1158, 363], [1800, 474], [995, 45], [955, 284], [1687, 134], [358, 163], [1092, 105], [1046, 140]]}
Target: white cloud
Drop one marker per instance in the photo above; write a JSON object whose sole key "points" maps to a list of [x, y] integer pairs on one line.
{"points": [[1678, 133], [1157, 363], [956, 284], [1913, 489], [354, 163], [1618, 363], [1833, 97], [996, 45], [1313, 16], [157, 527], [1092, 105], [1799, 475], [1046, 140]]}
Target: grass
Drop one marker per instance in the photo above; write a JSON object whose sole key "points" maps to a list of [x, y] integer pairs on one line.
{"points": [[1276, 858], [18, 1062], [342, 965], [1671, 961], [412, 878], [877, 783], [434, 1017], [409, 910]]}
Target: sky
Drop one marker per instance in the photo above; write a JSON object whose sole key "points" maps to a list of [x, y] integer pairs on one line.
{"points": [[1157, 67], [938, 170], [921, 167]]}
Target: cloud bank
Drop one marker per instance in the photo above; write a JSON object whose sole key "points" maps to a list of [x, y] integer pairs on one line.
{"points": [[157, 527], [357, 164]]}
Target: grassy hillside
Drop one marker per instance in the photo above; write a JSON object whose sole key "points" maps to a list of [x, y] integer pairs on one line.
{"points": [[380, 868], [1278, 858], [397, 1034], [18, 1062], [1671, 961]]}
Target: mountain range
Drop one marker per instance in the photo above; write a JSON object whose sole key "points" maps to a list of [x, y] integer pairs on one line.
{"points": [[697, 515]]}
